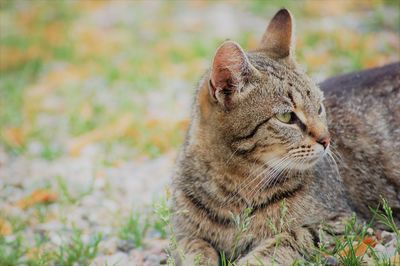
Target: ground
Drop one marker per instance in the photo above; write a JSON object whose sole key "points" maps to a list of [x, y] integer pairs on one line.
{"points": [[95, 99]]}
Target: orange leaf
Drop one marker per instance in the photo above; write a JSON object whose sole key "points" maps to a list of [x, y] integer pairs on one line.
{"points": [[359, 249], [38, 196], [370, 241], [15, 136], [5, 228]]}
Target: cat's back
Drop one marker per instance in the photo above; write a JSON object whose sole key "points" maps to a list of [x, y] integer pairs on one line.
{"points": [[381, 85], [364, 116]]}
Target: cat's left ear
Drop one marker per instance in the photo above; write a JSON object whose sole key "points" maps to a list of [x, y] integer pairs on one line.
{"points": [[230, 72], [278, 39]]}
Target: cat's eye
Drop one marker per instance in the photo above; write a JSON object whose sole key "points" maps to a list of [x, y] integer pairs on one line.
{"points": [[320, 109], [285, 117]]}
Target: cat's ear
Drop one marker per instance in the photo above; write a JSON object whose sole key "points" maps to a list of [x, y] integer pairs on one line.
{"points": [[229, 73], [277, 41]]}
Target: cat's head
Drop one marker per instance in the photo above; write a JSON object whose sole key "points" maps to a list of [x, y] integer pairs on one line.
{"points": [[260, 106]]}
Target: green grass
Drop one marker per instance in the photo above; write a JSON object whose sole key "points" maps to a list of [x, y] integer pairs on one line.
{"points": [[76, 251], [73, 251], [138, 226], [344, 249], [162, 218], [134, 230], [67, 196], [11, 251]]}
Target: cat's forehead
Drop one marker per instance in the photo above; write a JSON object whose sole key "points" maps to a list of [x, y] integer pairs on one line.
{"points": [[290, 79]]}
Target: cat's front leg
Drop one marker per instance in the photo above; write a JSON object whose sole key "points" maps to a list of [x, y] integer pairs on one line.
{"points": [[283, 249], [195, 251]]}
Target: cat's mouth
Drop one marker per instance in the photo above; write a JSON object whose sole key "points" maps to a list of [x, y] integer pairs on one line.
{"points": [[308, 160]]}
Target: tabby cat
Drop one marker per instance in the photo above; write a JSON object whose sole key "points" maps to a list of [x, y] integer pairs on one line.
{"points": [[258, 152]]}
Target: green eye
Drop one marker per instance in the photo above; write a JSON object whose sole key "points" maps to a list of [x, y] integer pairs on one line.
{"points": [[284, 117]]}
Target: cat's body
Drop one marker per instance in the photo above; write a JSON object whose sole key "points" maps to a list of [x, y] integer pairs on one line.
{"points": [[258, 128], [364, 121]]}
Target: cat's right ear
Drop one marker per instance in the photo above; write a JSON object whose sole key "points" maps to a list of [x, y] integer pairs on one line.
{"points": [[278, 39], [230, 71]]}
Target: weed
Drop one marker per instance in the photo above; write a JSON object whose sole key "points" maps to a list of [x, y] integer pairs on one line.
{"points": [[386, 217], [76, 251], [242, 223], [283, 222], [11, 251], [135, 229], [50, 153], [165, 213], [67, 195]]}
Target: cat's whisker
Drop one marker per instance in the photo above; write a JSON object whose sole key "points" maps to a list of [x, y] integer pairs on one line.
{"points": [[275, 173], [336, 168], [280, 173], [271, 166], [245, 183], [274, 161], [335, 151], [231, 156], [275, 176]]}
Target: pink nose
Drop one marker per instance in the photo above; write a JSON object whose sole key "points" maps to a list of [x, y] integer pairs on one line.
{"points": [[324, 141]]}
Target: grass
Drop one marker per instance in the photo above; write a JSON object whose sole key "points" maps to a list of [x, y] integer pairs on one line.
{"points": [[76, 251], [242, 223], [134, 230], [344, 249], [348, 249], [67, 195], [11, 251], [52, 68], [73, 251]]}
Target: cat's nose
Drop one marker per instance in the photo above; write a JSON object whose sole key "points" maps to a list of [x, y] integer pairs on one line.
{"points": [[324, 140]]}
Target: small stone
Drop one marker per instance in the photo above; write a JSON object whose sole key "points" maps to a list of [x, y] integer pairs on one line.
{"points": [[380, 249], [125, 246], [390, 252], [370, 231], [331, 261], [152, 260], [55, 238], [386, 237], [119, 258], [108, 246], [51, 226], [137, 256]]}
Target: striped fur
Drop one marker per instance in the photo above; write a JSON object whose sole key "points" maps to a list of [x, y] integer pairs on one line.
{"points": [[238, 155]]}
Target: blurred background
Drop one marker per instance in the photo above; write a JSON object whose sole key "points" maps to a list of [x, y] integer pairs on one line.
{"points": [[95, 99]]}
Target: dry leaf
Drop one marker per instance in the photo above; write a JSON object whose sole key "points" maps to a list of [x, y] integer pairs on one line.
{"points": [[395, 259], [118, 128], [5, 228], [38, 196]]}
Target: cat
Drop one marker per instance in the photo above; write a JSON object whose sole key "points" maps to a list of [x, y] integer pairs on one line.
{"points": [[258, 152]]}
